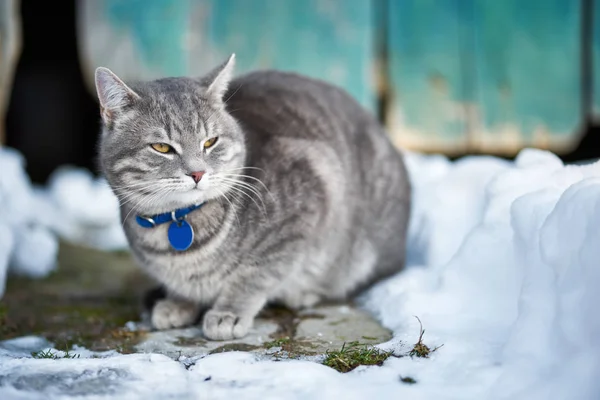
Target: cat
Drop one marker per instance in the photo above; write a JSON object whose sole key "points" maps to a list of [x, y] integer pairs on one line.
{"points": [[297, 195]]}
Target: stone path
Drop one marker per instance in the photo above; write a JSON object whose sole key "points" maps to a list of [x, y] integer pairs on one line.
{"points": [[94, 296]]}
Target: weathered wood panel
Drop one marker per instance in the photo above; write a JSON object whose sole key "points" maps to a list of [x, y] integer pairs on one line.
{"points": [[527, 74], [464, 75], [328, 39], [426, 70], [596, 60], [136, 38], [495, 76], [10, 46]]}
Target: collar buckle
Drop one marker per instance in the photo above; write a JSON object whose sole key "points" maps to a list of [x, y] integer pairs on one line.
{"points": [[145, 222]]}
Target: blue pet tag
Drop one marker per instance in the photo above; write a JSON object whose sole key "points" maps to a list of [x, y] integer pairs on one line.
{"points": [[181, 235]]}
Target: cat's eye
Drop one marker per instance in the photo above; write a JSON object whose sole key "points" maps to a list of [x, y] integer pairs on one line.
{"points": [[210, 142], [161, 147]]}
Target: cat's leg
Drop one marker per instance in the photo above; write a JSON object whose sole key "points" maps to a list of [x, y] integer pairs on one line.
{"points": [[249, 287], [173, 312], [240, 300], [300, 300], [226, 323]]}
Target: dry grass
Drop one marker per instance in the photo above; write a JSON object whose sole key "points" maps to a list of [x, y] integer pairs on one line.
{"points": [[420, 349]]}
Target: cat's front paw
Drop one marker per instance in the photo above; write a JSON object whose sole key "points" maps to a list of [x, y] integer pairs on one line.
{"points": [[169, 313], [225, 325]]}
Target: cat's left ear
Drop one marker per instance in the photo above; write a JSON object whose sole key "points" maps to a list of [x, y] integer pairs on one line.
{"points": [[113, 93], [218, 80]]}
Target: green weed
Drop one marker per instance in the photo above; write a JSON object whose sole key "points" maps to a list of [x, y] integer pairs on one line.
{"points": [[353, 354]]}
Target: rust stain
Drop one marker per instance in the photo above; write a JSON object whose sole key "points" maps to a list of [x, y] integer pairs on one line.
{"points": [[438, 82], [504, 90]]}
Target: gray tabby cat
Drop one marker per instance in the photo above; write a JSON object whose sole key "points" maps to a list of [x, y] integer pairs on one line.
{"points": [[304, 197]]}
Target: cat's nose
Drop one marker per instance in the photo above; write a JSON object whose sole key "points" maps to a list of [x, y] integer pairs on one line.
{"points": [[196, 176]]}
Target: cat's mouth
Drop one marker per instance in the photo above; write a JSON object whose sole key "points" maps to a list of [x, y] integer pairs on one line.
{"points": [[196, 188]]}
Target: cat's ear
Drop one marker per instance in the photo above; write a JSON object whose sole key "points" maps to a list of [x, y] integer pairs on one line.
{"points": [[113, 93], [218, 79]]}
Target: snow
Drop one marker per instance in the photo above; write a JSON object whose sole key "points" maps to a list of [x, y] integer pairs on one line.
{"points": [[74, 206], [87, 210], [25, 244], [503, 272]]}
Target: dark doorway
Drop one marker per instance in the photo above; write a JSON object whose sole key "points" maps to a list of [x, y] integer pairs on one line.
{"points": [[52, 118]]}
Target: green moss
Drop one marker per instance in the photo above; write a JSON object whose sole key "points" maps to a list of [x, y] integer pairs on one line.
{"points": [[234, 347], [353, 354], [189, 342], [86, 301], [287, 321], [124, 340], [96, 325], [277, 342], [291, 348]]}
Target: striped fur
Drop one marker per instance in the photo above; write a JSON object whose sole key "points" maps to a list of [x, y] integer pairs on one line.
{"points": [[306, 198]]}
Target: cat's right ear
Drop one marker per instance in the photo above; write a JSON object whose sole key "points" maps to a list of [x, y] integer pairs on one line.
{"points": [[113, 93], [218, 79]]}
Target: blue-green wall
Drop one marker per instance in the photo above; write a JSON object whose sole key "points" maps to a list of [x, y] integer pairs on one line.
{"points": [[156, 27], [328, 39], [462, 74], [426, 70], [503, 72], [596, 60], [527, 64]]}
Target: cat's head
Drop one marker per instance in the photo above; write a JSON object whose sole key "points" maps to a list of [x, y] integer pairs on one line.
{"points": [[169, 143]]}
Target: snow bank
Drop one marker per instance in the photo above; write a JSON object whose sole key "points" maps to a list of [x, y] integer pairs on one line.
{"points": [[25, 244], [74, 206], [85, 209], [511, 287], [504, 273]]}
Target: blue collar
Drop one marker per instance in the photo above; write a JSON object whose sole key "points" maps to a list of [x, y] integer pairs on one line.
{"points": [[173, 216]]}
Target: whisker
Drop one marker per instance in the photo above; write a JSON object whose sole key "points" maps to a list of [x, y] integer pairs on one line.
{"points": [[244, 184], [127, 197], [150, 199], [138, 204], [159, 182], [210, 116], [249, 177], [241, 168], [240, 190], [140, 190], [236, 90], [240, 183], [224, 195]]}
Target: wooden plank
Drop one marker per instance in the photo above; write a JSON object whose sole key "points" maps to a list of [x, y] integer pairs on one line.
{"points": [[327, 39], [331, 39], [139, 39], [527, 63], [10, 48], [429, 98]]}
